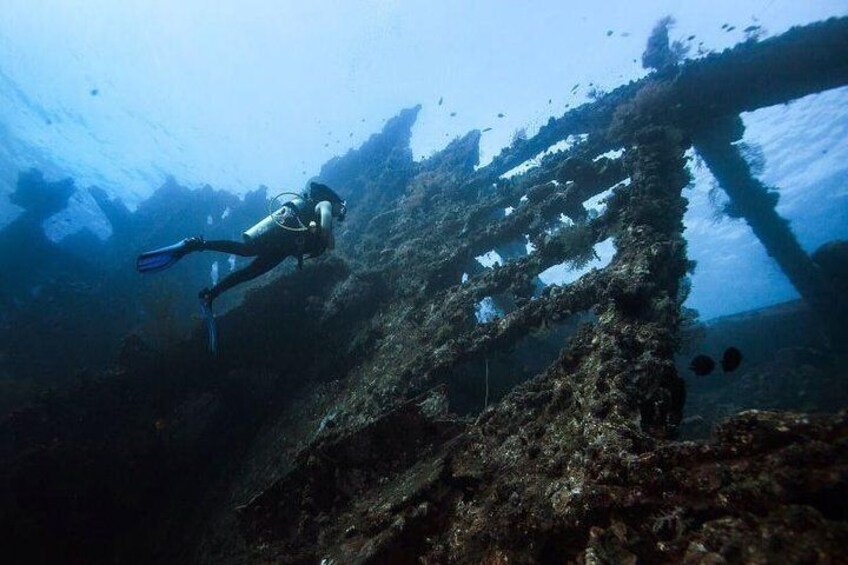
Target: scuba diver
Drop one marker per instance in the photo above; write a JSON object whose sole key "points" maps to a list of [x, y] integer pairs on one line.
{"points": [[302, 226]]}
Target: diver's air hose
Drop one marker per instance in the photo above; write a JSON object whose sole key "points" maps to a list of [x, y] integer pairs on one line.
{"points": [[272, 211]]}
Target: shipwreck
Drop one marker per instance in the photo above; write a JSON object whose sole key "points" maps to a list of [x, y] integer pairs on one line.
{"points": [[373, 418]]}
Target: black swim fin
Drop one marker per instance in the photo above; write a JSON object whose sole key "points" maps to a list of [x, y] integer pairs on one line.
{"points": [[162, 258], [211, 327]]}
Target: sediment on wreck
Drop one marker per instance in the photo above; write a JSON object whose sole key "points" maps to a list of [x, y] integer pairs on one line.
{"points": [[613, 390]]}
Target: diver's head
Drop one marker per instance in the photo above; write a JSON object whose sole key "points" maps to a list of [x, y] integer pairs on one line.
{"points": [[318, 191]]}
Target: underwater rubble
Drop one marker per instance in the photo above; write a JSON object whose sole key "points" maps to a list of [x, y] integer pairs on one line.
{"points": [[327, 429], [770, 487]]}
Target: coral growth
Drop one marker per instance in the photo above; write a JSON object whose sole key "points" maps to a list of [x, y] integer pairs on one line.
{"points": [[659, 52]]}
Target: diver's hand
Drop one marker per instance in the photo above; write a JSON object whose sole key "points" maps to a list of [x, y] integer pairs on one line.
{"points": [[314, 228]]}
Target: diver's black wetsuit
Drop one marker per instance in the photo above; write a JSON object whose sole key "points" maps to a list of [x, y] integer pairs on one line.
{"points": [[264, 262], [310, 232], [303, 226]]}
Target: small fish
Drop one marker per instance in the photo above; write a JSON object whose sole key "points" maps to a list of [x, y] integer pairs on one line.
{"points": [[625, 34], [441, 99], [731, 359], [690, 38], [487, 129], [752, 29], [609, 33], [452, 114], [575, 87], [94, 92], [725, 26], [702, 365], [500, 115], [731, 28]]}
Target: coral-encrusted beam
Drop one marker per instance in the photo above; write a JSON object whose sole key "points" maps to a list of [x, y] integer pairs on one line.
{"points": [[752, 75]]}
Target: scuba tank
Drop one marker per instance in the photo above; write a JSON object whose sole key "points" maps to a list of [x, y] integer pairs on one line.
{"points": [[271, 230], [295, 217]]}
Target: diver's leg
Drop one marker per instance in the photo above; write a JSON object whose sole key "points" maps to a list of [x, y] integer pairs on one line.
{"points": [[261, 265], [239, 248]]}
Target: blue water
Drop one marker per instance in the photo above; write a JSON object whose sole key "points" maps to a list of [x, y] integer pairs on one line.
{"points": [[238, 96]]}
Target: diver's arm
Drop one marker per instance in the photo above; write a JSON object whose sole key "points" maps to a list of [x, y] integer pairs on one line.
{"points": [[324, 211]]}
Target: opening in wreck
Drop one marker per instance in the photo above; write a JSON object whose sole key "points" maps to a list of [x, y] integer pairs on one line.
{"points": [[476, 384], [497, 306], [573, 231], [732, 257]]}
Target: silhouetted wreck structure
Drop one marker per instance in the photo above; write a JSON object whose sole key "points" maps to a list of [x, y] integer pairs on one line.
{"points": [[359, 412], [571, 465]]}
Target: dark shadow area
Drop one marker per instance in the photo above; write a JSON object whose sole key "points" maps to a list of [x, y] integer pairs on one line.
{"points": [[67, 305], [474, 385], [788, 364], [116, 421]]}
